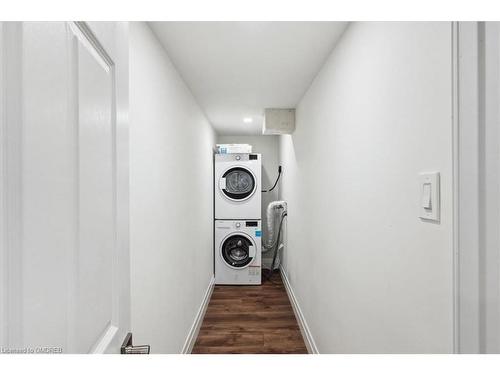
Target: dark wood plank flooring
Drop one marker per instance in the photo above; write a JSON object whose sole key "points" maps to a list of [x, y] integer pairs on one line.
{"points": [[250, 320]]}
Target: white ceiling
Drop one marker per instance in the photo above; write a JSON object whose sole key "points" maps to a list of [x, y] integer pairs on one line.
{"points": [[236, 69]]}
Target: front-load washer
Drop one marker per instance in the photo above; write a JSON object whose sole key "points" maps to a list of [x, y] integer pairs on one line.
{"points": [[237, 179], [238, 252]]}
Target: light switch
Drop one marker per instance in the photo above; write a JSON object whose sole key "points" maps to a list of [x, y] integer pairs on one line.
{"points": [[426, 196], [429, 199]]}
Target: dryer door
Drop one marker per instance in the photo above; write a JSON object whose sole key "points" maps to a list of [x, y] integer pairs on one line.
{"points": [[238, 183], [238, 250]]}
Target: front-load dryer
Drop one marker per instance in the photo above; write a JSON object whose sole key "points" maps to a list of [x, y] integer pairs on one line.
{"points": [[237, 180], [238, 252]]}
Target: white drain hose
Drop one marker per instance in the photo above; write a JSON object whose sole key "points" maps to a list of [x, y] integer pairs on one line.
{"points": [[272, 208]]}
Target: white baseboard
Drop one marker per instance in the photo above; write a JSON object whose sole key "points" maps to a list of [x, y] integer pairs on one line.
{"points": [[304, 328], [198, 320]]}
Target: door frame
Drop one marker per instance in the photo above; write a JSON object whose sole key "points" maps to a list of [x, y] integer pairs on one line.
{"points": [[465, 186], [476, 55]]}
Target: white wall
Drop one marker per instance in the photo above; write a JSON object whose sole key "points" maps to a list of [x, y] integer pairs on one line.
{"points": [[268, 146], [171, 197], [369, 275]]}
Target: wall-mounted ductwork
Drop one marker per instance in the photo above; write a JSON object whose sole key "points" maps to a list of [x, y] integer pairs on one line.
{"points": [[272, 209]]}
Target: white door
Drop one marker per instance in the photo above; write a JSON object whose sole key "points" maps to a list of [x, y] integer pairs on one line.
{"points": [[64, 187]]}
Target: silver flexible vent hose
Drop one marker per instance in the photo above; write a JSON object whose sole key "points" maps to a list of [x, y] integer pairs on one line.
{"points": [[277, 248], [273, 208]]}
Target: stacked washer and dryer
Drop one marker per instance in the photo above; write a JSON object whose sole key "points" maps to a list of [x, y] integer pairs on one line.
{"points": [[237, 228]]}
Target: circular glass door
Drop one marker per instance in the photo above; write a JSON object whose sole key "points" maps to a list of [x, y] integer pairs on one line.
{"points": [[235, 251], [238, 183]]}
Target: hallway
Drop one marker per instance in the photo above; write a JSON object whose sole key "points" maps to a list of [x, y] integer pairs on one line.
{"points": [[152, 172], [250, 320]]}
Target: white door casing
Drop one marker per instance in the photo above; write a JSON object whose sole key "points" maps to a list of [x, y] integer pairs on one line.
{"points": [[64, 190], [466, 188], [476, 186]]}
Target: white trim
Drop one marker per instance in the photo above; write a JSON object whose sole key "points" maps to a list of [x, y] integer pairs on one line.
{"points": [[455, 171], [198, 320], [304, 328], [3, 178], [72, 121], [105, 340], [466, 188], [89, 41]]}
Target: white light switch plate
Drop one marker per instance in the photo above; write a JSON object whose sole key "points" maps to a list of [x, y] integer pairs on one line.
{"points": [[432, 179]]}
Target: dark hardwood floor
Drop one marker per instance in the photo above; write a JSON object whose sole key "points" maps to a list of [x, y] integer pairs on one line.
{"points": [[250, 320]]}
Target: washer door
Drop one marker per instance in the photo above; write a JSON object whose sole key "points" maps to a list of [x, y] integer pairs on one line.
{"points": [[237, 250], [238, 183]]}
